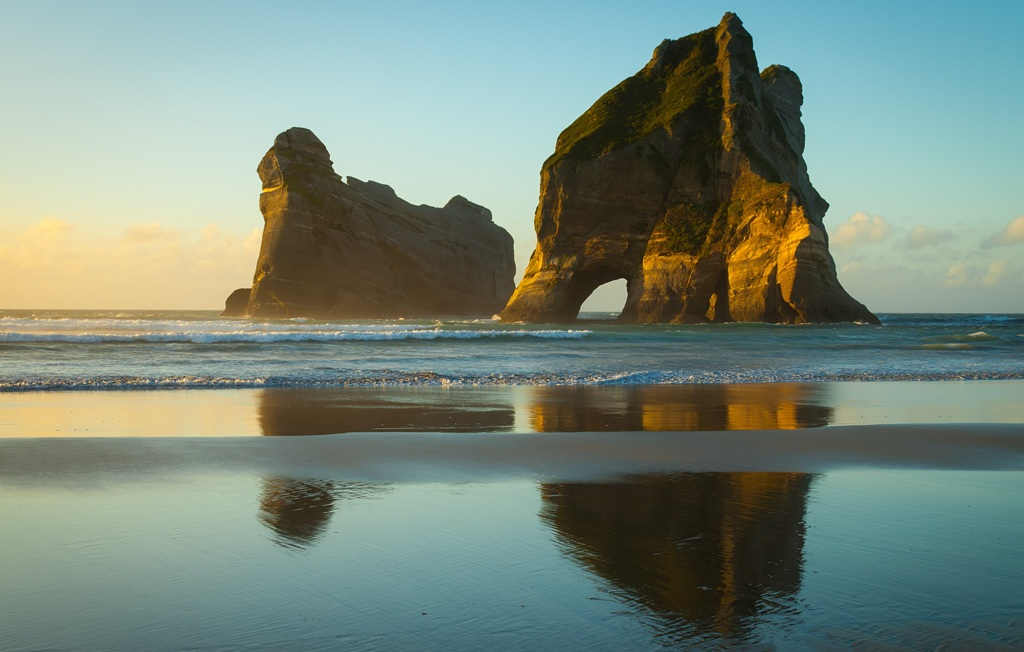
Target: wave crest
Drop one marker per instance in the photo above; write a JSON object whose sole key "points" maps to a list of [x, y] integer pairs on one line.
{"points": [[248, 336]]}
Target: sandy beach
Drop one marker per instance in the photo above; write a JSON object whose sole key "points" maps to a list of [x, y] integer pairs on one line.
{"points": [[450, 540], [460, 457], [517, 517]]}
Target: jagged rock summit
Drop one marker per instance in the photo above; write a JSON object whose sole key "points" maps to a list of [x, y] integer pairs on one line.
{"points": [[355, 249], [688, 181]]}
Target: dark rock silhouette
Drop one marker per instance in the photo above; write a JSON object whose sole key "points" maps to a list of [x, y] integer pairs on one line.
{"points": [[237, 303], [298, 511], [688, 181]]}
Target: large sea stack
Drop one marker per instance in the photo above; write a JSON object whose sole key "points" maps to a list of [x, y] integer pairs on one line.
{"points": [[688, 181], [355, 249]]}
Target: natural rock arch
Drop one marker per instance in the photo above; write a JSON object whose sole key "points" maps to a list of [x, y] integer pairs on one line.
{"points": [[606, 298], [687, 180]]}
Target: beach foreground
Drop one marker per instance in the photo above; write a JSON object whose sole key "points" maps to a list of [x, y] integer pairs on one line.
{"points": [[777, 528]]}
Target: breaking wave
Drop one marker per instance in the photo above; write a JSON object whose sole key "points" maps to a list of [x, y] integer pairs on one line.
{"points": [[430, 379], [244, 336]]}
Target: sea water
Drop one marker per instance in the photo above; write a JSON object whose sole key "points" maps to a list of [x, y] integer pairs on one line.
{"points": [[58, 350]]}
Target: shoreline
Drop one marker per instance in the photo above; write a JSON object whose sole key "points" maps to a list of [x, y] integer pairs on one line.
{"points": [[516, 409], [467, 457]]}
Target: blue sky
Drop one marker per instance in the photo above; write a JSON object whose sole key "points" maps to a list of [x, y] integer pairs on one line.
{"points": [[133, 133]]}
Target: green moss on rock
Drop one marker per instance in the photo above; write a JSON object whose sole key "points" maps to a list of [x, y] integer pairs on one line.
{"points": [[681, 78]]}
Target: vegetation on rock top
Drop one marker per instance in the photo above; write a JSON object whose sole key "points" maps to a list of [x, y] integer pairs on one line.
{"points": [[681, 78]]}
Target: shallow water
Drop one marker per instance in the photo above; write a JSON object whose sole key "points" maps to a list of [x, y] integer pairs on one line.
{"points": [[501, 408], [203, 559], [46, 350]]}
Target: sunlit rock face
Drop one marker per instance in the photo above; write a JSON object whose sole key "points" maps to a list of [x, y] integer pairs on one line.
{"points": [[355, 249], [688, 181]]}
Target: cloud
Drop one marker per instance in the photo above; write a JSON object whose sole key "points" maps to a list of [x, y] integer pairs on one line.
{"points": [[146, 233], [1011, 235], [57, 264], [860, 229], [925, 236], [995, 273], [852, 267], [965, 275], [959, 275]]}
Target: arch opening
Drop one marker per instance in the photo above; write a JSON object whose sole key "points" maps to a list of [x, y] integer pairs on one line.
{"points": [[606, 301]]}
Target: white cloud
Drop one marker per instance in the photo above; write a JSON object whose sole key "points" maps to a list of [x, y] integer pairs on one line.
{"points": [[852, 267], [1011, 235], [150, 232], [925, 236], [57, 264], [966, 275], [996, 272], [860, 229], [959, 275]]}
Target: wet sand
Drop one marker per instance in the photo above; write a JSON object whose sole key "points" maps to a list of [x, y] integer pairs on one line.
{"points": [[457, 457], [821, 516], [512, 409], [218, 554]]}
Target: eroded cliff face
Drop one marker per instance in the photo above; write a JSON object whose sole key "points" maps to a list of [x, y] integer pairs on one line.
{"points": [[355, 249], [688, 181]]}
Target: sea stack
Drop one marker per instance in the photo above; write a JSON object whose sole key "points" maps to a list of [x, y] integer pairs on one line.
{"points": [[237, 303], [688, 181], [355, 249]]}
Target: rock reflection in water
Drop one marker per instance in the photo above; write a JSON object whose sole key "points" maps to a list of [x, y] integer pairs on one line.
{"points": [[703, 553], [545, 409], [678, 407], [297, 512], [319, 412]]}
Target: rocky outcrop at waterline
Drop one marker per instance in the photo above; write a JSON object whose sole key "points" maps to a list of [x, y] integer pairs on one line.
{"points": [[237, 303], [333, 248], [688, 181]]}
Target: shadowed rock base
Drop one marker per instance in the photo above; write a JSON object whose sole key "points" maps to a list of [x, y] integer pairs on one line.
{"points": [[237, 303], [688, 181]]}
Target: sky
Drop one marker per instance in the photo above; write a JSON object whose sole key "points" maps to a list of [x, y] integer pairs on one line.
{"points": [[132, 132]]}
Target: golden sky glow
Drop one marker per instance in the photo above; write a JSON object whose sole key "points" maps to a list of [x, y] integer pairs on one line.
{"points": [[54, 263]]}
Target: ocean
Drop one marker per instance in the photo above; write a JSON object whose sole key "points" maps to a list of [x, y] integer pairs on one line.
{"points": [[89, 350]]}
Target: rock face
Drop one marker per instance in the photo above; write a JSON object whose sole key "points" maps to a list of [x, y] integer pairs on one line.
{"points": [[688, 181], [355, 249], [237, 303]]}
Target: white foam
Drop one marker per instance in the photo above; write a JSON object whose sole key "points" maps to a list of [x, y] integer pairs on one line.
{"points": [[247, 335]]}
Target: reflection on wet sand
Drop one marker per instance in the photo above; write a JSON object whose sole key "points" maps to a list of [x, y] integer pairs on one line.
{"points": [[297, 512], [705, 554], [545, 409], [319, 412], [678, 407]]}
